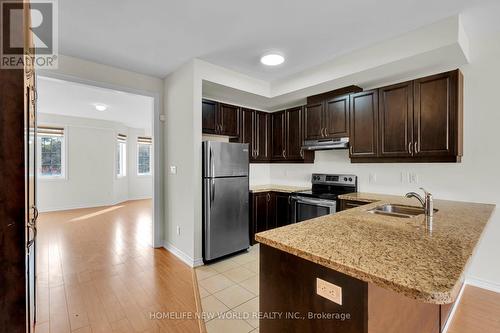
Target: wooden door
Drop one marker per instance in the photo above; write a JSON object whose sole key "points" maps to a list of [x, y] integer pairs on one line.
{"points": [[262, 136], [337, 117], [228, 119], [278, 136], [364, 124], [209, 113], [313, 121], [247, 125], [282, 209], [294, 134], [435, 115], [396, 120]]}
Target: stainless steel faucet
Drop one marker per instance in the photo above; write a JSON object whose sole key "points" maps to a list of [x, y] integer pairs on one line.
{"points": [[426, 203]]}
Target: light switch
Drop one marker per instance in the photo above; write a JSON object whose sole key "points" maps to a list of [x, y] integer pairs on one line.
{"points": [[329, 291], [173, 169]]}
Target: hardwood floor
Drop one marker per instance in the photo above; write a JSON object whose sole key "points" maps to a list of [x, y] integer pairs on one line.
{"points": [[97, 272], [478, 312]]}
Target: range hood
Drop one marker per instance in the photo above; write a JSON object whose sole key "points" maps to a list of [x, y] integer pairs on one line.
{"points": [[326, 144]]}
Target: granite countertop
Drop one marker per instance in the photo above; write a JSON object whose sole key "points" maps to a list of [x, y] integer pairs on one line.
{"points": [[277, 188], [399, 254]]}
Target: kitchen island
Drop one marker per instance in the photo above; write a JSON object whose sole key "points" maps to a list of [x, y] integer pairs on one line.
{"points": [[377, 273]]}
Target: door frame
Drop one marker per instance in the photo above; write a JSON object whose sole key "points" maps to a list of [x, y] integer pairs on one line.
{"points": [[157, 240]]}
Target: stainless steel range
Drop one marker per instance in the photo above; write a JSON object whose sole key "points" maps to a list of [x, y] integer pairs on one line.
{"points": [[322, 198]]}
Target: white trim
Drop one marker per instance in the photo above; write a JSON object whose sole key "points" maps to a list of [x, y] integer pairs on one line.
{"points": [[157, 141], [488, 285], [454, 308], [188, 260]]}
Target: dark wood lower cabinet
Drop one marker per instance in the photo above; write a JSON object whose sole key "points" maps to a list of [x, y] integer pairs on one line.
{"points": [[269, 210], [289, 301]]}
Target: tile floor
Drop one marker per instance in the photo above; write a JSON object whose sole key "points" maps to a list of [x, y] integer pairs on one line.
{"points": [[229, 291]]}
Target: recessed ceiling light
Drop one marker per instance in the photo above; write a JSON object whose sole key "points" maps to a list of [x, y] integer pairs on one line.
{"points": [[101, 107], [272, 59]]}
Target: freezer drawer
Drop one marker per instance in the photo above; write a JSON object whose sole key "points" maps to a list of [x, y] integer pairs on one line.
{"points": [[225, 216], [223, 159]]}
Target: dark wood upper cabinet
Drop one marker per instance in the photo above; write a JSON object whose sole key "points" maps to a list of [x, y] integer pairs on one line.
{"points": [[219, 118], [337, 117], [294, 134], [228, 119], [247, 126], [262, 136], [438, 115], [313, 121], [396, 120], [364, 124], [209, 116], [278, 121]]}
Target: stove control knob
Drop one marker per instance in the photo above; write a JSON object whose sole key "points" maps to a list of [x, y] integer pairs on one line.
{"points": [[350, 179], [345, 179]]}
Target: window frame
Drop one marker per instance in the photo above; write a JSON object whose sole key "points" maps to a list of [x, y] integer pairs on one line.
{"points": [[119, 141], [142, 141], [64, 154]]}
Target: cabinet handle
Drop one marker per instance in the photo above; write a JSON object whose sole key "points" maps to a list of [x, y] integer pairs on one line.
{"points": [[322, 132], [268, 197], [416, 147], [410, 148], [325, 131], [284, 154], [351, 150], [302, 153]]}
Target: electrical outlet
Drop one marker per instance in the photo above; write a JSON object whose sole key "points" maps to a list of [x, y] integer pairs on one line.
{"points": [[329, 291], [403, 177], [178, 230], [413, 178], [173, 169], [372, 178]]}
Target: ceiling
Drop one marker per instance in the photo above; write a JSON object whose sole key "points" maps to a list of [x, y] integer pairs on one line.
{"points": [[157, 36], [77, 100]]}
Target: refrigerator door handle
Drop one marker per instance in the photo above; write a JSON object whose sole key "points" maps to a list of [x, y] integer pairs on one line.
{"points": [[212, 191], [211, 162]]}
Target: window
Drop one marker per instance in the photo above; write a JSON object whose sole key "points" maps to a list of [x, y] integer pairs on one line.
{"points": [[51, 153], [144, 156], [121, 155]]}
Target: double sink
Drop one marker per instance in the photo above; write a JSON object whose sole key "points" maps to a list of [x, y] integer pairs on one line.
{"points": [[401, 211]]}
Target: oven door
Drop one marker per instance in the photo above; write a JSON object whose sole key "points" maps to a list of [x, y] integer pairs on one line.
{"points": [[306, 208]]}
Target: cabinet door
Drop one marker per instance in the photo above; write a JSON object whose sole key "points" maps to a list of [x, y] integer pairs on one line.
{"points": [[278, 136], [282, 209], [247, 125], [435, 115], [396, 120], [209, 116], [260, 204], [313, 121], [294, 136], [228, 119], [363, 124], [337, 117], [262, 136], [271, 210]]}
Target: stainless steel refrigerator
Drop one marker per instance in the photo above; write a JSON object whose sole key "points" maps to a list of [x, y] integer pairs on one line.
{"points": [[225, 199]]}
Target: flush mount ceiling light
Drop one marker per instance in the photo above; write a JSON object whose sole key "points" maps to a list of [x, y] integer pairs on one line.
{"points": [[272, 59], [100, 107]]}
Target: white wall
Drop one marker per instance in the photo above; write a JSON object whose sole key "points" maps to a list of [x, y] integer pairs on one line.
{"points": [[475, 179], [90, 166], [180, 188]]}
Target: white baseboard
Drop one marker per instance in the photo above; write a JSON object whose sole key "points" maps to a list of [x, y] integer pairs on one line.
{"points": [[182, 256], [86, 205], [488, 285]]}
